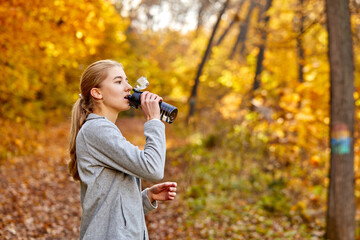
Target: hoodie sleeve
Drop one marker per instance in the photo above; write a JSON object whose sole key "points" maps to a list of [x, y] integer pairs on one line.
{"points": [[148, 206], [110, 149]]}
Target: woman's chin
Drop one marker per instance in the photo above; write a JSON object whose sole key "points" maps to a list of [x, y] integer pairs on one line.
{"points": [[125, 108]]}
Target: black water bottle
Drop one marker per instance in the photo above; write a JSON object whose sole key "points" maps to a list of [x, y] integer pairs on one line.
{"points": [[168, 112]]}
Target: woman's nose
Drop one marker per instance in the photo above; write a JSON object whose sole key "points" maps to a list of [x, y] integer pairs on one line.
{"points": [[129, 86]]}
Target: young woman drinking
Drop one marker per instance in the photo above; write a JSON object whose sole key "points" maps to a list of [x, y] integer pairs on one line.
{"points": [[109, 167]]}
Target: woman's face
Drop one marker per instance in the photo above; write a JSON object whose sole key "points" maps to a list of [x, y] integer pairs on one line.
{"points": [[114, 89]]}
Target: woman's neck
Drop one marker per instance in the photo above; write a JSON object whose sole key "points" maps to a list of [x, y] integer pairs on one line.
{"points": [[111, 116]]}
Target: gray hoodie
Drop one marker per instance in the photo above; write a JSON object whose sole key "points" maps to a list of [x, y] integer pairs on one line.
{"points": [[110, 170]]}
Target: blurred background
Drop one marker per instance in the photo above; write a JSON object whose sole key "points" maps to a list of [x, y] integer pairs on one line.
{"points": [[251, 79]]}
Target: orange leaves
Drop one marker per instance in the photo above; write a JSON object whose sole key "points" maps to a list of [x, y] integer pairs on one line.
{"points": [[290, 102], [315, 160], [230, 105], [37, 197], [15, 138], [43, 45], [42, 42]]}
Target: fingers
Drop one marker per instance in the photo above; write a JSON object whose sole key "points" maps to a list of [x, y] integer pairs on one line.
{"points": [[150, 105], [169, 184], [171, 187], [164, 191], [171, 195], [149, 97]]}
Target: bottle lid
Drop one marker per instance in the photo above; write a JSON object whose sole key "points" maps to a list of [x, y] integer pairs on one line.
{"points": [[141, 83]]}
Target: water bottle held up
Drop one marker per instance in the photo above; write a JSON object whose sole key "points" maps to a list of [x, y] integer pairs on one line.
{"points": [[168, 112]]}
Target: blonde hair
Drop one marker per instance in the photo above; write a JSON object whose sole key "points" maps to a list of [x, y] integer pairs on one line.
{"points": [[92, 77]]}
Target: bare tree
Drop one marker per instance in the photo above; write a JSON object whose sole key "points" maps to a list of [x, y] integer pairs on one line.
{"points": [[233, 21], [341, 200], [299, 41], [204, 5], [193, 96], [244, 26], [260, 57]]}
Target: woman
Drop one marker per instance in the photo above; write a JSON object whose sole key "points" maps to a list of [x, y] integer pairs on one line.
{"points": [[109, 167]]}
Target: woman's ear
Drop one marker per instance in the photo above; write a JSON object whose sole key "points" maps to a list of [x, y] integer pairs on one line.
{"points": [[96, 94]]}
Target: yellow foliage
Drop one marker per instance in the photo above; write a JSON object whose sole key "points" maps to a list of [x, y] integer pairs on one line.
{"points": [[230, 104], [40, 44]]}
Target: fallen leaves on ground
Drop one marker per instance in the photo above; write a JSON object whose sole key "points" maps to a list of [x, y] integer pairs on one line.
{"points": [[39, 200]]}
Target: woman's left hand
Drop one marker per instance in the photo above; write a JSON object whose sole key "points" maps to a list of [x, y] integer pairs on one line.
{"points": [[162, 191], [150, 105]]}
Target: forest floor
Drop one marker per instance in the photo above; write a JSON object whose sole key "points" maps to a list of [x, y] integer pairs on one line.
{"points": [[39, 200]]}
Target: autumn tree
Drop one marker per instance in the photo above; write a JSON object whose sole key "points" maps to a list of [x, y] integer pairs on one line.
{"points": [[231, 24], [43, 46], [299, 41], [262, 46], [192, 99], [341, 200], [243, 30]]}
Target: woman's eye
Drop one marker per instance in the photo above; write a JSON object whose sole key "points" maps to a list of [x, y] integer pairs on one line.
{"points": [[118, 82]]}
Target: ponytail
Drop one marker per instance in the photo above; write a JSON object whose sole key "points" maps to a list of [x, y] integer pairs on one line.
{"points": [[93, 75], [78, 117]]}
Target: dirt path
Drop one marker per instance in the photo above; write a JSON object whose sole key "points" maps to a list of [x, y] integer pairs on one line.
{"points": [[38, 199]]}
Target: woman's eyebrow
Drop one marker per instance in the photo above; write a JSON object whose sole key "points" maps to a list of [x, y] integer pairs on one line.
{"points": [[120, 78]]}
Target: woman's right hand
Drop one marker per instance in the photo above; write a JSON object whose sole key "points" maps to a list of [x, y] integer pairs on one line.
{"points": [[162, 191], [150, 105]]}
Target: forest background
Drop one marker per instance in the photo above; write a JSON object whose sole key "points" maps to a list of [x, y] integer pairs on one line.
{"points": [[251, 160]]}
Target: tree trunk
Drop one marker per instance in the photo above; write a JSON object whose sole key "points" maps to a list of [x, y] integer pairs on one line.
{"points": [[243, 30], [299, 42], [203, 6], [235, 19], [340, 219], [193, 96], [221, 38], [260, 57]]}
